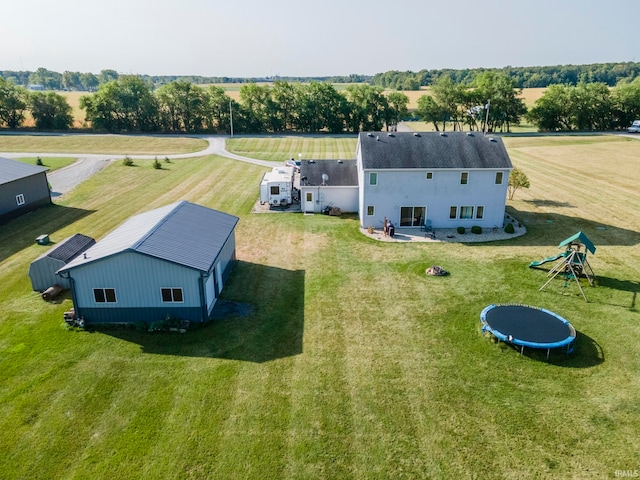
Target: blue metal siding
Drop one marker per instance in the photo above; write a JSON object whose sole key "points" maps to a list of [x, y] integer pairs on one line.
{"points": [[42, 273], [138, 280], [94, 316]]}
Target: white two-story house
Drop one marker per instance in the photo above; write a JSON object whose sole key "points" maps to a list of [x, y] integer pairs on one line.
{"points": [[448, 179]]}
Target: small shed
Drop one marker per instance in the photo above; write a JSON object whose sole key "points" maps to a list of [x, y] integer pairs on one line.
{"points": [[42, 270], [23, 187]]}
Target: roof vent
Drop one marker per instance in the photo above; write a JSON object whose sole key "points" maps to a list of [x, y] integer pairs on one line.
{"points": [[416, 134], [442, 134], [339, 161], [84, 255], [377, 138], [491, 139], [469, 134], [312, 161], [391, 134], [370, 134]]}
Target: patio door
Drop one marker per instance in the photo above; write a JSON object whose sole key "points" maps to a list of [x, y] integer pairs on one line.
{"points": [[412, 216]]}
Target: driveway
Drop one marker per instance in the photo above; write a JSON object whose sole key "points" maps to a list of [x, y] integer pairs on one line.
{"points": [[67, 178]]}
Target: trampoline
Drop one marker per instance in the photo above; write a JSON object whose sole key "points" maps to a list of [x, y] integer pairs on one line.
{"points": [[528, 326]]}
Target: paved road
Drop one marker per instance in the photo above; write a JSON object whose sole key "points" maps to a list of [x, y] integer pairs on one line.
{"points": [[67, 178]]}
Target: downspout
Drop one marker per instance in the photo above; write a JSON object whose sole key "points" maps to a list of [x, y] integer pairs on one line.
{"points": [[72, 284], [203, 301]]}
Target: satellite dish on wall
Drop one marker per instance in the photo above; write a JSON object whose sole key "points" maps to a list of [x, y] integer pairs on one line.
{"points": [[325, 178]]}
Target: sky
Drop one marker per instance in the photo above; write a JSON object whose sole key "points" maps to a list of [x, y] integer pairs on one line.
{"points": [[290, 38]]}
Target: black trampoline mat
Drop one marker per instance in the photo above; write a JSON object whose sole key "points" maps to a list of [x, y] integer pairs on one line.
{"points": [[527, 324]]}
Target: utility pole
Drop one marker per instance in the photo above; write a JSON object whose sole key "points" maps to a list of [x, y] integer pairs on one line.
{"points": [[486, 120], [231, 117]]}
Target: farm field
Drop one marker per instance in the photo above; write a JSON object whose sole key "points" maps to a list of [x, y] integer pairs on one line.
{"points": [[348, 362]]}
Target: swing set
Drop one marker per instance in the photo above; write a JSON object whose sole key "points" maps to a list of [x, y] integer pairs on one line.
{"points": [[572, 263]]}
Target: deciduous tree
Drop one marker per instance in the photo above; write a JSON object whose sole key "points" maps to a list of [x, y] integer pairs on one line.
{"points": [[13, 103], [517, 180], [51, 111]]}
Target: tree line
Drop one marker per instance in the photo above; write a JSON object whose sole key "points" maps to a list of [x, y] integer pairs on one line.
{"points": [[610, 74], [492, 102], [87, 81]]}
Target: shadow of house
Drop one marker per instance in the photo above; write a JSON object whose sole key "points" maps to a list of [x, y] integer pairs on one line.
{"points": [[549, 229], [22, 232], [260, 318]]}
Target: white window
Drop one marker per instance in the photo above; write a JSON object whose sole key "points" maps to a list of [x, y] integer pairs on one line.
{"points": [[466, 213], [479, 212], [499, 176], [464, 178], [371, 210], [20, 199], [172, 295], [104, 295], [373, 178], [429, 175]]}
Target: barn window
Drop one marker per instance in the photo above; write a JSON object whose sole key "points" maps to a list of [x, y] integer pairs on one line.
{"points": [[275, 190], [20, 199], [104, 295], [453, 212], [371, 210], [373, 178], [172, 295], [429, 175], [499, 178], [464, 178], [479, 212]]}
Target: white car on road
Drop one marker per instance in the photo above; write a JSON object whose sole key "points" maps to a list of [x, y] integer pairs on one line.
{"points": [[635, 127]]}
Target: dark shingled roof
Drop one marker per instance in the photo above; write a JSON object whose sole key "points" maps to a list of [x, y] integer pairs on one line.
{"points": [[12, 170], [342, 173], [70, 248], [458, 150]]}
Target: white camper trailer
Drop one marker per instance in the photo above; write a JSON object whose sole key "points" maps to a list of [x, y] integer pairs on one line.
{"points": [[276, 187]]}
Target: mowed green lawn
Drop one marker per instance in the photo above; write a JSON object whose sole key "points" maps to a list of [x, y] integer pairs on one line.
{"points": [[107, 144], [348, 362]]}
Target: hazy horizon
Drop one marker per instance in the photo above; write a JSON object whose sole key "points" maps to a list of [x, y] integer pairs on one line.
{"points": [[290, 39]]}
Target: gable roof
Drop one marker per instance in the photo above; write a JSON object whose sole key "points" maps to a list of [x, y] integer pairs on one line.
{"points": [[12, 170], [452, 150], [341, 173], [69, 248], [184, 233], [579, 238]]}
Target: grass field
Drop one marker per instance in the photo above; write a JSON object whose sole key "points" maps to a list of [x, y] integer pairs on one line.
{"points": [[351, 362], [52, 163], [107, 144]]}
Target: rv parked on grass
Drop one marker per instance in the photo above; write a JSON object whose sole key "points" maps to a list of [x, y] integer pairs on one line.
{"points": [[276, 187]]}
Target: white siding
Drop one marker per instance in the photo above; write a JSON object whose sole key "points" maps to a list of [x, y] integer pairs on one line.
{"points": [[345, 198], [406, 188]]}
